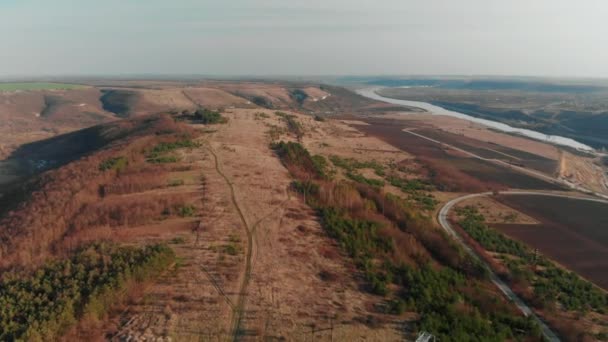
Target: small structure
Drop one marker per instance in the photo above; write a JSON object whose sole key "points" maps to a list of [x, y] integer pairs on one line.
{"points": [[424, 336]]}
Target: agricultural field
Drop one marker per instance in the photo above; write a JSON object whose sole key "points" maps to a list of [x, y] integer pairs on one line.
{"points": [[571, 232], [23, 86], [460, 171]]}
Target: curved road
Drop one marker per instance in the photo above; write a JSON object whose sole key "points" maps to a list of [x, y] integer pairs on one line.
{"points": [[442, 217]]}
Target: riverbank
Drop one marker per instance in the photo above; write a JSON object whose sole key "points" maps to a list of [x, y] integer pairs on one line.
{"points": [[372, 93]]}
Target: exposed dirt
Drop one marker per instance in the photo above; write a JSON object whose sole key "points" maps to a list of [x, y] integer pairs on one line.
{"points": [[570, 232], [481, 133], [583, 171], [491, 175]]}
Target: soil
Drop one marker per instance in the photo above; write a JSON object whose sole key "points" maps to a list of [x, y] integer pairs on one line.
{"points": [[391, 131], [571, 232]]}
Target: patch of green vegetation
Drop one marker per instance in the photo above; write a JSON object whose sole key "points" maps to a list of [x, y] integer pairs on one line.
{"points": [[292, 124], [299, 95], [163, 160], [410, 185], [186, 211], [550, 283], [359, 178], [351, 164], [361, 241], [435, 295], [37, 86], [158, 154], [178, 240], [176, 182], [43, 305], [262, 101], [416, 190], [115, 163], [207, 116], [275, 132], [261, 116], [295, 154], [232, 247]]}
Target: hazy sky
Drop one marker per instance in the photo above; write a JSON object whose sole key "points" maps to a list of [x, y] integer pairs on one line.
{"points": [[312, 37]]}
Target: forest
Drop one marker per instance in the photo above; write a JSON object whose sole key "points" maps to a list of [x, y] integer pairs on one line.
{"points": [[44, 304]]}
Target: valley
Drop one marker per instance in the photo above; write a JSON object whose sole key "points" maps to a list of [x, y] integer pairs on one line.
{"points": [[293, 211]]}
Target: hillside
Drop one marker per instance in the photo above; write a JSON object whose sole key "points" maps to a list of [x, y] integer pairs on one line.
{"points": [[312, 216]]}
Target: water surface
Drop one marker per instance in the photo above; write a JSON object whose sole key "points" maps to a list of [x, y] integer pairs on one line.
{"points": [[436, 110]]}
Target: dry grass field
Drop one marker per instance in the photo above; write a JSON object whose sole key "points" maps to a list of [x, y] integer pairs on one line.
{"points": [[254, 259]]}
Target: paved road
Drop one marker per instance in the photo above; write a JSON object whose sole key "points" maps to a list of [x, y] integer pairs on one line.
{"points": [[504, 288]]}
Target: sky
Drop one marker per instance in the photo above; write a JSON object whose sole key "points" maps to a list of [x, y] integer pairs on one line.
{"points": [[314, 37]]}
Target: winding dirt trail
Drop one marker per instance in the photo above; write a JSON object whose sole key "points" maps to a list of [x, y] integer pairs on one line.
{"points": [[239, 308]]}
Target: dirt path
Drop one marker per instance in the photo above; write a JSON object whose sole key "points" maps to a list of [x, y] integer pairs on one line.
{"points": [[239, 308]]}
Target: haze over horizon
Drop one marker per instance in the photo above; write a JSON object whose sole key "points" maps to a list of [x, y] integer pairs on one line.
{"points": [[273, 37]]}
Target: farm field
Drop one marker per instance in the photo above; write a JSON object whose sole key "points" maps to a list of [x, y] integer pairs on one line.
{"points": [[37, 86], [492, 176], [493, 151], [572, 232]]}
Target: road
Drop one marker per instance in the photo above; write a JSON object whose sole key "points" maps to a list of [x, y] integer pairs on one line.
{"points": [[504, 288], [519, 169]]}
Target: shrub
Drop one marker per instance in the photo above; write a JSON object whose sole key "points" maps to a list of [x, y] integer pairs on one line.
{"points": [[298, 160], [292, 124], [359, 178], [186, 211], [115, 163], [207, 116]]}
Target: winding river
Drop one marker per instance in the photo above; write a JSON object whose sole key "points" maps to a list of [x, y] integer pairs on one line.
{"points": [[436, 110]]}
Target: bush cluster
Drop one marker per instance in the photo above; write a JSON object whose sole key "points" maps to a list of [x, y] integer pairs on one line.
{"points": [[115, 163], [292, 124]]}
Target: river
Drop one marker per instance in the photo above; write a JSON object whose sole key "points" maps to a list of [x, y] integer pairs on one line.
{"points": [[436, 110]]}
